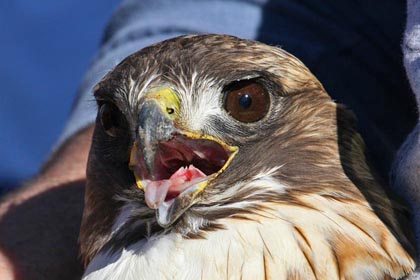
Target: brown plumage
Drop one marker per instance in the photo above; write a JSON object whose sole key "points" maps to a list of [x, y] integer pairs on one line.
{"points": [[297, 201]]}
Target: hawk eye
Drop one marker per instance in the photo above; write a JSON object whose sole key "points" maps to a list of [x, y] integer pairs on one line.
{"points": [[247, 101], [111, 119]]}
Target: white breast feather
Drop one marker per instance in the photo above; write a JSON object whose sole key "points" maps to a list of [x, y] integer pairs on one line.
{"points": [[329, 239]]}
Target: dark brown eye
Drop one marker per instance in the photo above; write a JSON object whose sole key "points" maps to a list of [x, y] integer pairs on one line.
{"points": [[247, 101], [111, 119]]}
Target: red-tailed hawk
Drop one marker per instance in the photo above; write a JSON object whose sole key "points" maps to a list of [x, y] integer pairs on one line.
{"points": [[215, 157]]}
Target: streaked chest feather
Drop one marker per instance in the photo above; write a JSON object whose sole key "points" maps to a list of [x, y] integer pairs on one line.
{"points": [[287, 242]]}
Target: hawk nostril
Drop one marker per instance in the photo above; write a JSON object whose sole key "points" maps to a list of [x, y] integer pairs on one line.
{"points": [[170, 111]]}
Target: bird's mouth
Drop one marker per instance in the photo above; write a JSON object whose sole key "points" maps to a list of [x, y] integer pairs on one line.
{"points": [[181, 168]]}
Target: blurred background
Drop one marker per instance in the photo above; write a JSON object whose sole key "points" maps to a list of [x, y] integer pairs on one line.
{"points": [[45, 48]]}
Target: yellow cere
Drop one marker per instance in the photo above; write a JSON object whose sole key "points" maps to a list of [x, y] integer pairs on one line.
{"points": [[168, 101]]}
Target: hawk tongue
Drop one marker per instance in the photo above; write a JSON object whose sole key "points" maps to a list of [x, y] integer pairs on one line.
{"points": [[157, 192]]}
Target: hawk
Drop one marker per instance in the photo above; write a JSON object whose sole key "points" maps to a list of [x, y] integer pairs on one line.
{"points": [[215, 157]]}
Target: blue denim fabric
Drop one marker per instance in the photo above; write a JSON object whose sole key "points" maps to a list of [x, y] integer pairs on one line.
{"points": [[45, 48], [353, 47]]}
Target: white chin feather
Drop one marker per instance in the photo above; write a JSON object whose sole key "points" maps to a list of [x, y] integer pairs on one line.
{"points": [[271, 244]]}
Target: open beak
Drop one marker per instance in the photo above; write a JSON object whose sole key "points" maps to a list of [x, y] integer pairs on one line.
{"points": [[170, 165]]}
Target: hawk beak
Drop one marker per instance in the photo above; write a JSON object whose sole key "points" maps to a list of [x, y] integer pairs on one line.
{"points": [[172, 166]]}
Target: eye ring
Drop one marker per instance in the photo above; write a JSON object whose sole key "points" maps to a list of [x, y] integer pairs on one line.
{"points": [[247, 101], [111, 119]]}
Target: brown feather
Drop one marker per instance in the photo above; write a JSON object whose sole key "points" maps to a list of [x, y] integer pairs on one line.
{"points": [[333, 209]]}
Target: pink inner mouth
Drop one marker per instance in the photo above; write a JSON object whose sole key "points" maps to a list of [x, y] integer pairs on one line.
{"points": [[164, 190], [179, 164]]}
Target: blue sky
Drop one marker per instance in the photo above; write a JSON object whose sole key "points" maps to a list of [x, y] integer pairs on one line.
{"points": [[45, 48]]}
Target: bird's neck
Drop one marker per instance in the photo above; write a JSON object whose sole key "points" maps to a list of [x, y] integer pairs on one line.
{"points": [[317, 238]]}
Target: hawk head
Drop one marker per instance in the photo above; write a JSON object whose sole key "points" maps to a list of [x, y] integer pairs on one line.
{"points": [[200, 133]]}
